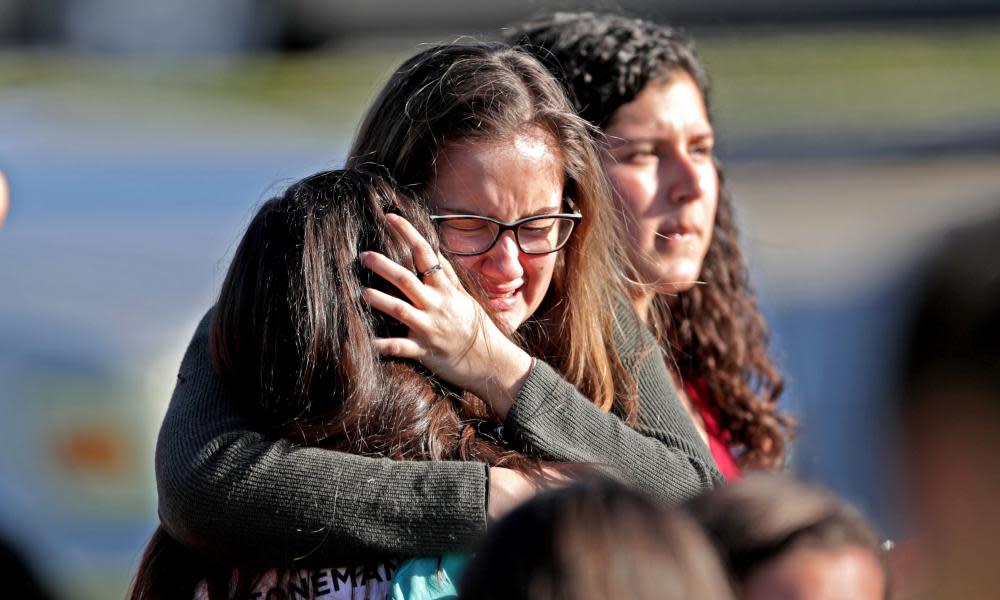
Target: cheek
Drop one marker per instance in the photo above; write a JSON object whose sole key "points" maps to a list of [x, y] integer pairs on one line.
{"points": [[635, 189], [470, 264], [539, 271], [711, 189]]}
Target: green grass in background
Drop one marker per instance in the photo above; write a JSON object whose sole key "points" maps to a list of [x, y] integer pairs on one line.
{"points": [[881, 80], [848, 79]]}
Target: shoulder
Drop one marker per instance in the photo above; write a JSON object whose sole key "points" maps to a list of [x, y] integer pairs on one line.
{"points": [[205, 324], [632, 338]]}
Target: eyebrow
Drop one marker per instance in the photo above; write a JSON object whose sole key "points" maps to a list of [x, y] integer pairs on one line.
{"points": [[548, 210], [617, 141]]}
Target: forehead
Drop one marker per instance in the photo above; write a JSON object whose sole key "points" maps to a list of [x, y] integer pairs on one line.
{"points": [[507, 179], [826, 574], [667, 106]]}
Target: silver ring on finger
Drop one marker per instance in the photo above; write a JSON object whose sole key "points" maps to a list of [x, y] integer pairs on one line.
{"points": [[429, 272]]}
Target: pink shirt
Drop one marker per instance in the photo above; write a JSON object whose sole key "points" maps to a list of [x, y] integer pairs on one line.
{"points": [[718, 440]]}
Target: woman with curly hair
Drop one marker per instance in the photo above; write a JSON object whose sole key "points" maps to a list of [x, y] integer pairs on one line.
{"points": [[644, 86]]}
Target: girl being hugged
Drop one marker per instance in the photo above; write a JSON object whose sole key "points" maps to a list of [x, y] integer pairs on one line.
{"points": [[293, 337], [482, 137]]}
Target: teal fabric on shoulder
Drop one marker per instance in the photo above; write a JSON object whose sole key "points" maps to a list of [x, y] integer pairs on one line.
{"points": [[429, 578]]}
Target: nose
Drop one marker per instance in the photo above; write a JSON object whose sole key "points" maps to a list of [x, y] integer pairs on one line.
{"points": [[503, 261], [680, 178]]}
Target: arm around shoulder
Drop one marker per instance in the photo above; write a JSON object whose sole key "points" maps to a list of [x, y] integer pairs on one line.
{"points": [[226, 489], [662, 455]]}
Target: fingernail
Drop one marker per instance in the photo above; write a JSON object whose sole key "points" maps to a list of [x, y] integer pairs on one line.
{"points": [[364, 256]]}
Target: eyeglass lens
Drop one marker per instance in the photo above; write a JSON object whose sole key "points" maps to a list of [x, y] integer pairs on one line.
{"points": [[469, 235]]}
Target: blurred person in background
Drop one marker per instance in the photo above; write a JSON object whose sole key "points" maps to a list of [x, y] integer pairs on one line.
{"points": [[949, 417], [595, 539], [20, 580], [646, 89], [484, 137], [291, 305], [779, 538], [4, 198]]}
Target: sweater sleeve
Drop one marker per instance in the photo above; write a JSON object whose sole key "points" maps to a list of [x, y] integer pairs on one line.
{"points": [[663, 455], [225, 489]]}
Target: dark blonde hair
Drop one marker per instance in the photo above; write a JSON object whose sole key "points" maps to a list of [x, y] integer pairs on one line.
{"points": [[489, 93], [595, 539], [714, 333]]}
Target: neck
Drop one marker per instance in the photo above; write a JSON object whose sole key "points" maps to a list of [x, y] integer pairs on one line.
{"points": [[642, 302]]}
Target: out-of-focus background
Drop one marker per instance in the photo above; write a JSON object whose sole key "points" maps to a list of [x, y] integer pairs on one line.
{"points": [[139, 137]]}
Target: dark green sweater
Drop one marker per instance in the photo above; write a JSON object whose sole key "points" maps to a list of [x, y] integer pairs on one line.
{"points": [[228, 491]]}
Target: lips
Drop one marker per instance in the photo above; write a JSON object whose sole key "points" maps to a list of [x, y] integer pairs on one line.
{"points": [[503, 298], [677, 233], [677, 236]]}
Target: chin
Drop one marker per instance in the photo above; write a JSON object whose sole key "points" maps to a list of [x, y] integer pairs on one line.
{"points": [[511, 319], [679, 279]]}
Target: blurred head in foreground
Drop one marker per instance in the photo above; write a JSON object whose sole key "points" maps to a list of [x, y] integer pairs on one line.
{"points": [[782, 539], [594, 539], [949, 414]]}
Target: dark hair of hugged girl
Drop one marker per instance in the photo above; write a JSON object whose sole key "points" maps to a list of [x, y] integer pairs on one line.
{"points": [[292, 334]]}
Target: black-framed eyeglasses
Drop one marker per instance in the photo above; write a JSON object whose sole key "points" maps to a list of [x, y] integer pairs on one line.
{"points": [[469, 235]]}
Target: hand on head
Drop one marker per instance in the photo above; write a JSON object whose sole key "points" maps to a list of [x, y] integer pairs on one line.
{"points": [[449, 332]]}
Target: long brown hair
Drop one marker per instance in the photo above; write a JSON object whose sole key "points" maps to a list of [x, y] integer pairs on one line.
{"points": [[714, 333], [455, 94], [293, 339]]}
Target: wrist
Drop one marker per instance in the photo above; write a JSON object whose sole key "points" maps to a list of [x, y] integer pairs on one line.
{"points": [[507, 489], [513, 366]]}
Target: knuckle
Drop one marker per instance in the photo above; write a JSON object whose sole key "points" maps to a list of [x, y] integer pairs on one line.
{"points": [[401, 311], [398, 279], [404, 285]]}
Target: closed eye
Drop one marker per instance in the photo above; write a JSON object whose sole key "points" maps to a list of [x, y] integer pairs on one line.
{"points": [[637, 155], [466, 225]]}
